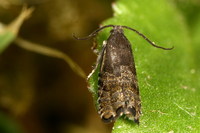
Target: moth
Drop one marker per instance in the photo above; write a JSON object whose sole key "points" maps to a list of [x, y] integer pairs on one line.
{"points": [[118, 90]]}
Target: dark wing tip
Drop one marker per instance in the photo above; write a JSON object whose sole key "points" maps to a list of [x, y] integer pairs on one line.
{"points": [[137, 121]]}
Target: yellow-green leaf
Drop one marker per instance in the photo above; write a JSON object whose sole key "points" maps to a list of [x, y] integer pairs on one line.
{"points": [[168, 80]]}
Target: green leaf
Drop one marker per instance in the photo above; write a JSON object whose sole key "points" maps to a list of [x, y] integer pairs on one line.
{"points": [[5, 39], [168, 80]]}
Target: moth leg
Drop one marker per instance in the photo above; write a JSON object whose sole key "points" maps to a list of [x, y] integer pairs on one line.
{"points": [[99, 59], [94, 47]]}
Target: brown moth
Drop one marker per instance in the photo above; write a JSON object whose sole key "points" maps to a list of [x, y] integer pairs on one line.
{"points": [[118, 90]]}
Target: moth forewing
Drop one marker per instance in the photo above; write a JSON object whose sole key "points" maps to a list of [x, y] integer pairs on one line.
{"points": [[118, 89]]}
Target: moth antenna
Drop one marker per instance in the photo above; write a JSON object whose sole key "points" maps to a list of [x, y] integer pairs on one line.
{"points": [[149, 41], [92, 34]]}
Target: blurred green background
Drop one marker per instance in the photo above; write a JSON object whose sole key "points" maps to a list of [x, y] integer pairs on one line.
{"points": [[40, 94]]}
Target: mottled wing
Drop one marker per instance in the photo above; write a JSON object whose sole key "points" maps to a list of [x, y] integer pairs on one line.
{"points": [[118, 89]]}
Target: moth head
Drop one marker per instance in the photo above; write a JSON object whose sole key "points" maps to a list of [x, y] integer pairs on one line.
{"points": [[117, 29]]}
